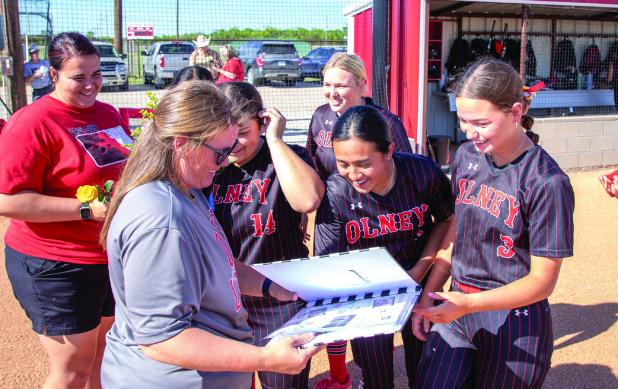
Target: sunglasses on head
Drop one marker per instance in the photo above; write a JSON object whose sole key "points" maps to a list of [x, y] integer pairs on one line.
{"points": [[222, 154]]}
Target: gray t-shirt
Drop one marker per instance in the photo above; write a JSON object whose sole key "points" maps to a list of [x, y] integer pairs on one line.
{"points": [[171, 268]]}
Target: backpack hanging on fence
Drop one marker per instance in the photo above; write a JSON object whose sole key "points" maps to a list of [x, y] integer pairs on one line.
{"points": [[530, 60], [495, 48], [591, 62], [511, 52], [478, 48], [612, 56], [564, 63], [563, 60], [458, 57]]}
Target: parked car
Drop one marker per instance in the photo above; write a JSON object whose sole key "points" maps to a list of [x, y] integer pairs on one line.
{"points": [[313, 63], [163, 60], [270, 61], [113, 68]]}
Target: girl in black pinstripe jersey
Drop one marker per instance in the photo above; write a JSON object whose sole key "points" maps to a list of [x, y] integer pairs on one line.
{"points": [[379, 197], [513, 226], [259, 201]]}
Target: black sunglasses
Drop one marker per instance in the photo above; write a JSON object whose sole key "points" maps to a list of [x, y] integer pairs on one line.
{"points": [[223, 153]]}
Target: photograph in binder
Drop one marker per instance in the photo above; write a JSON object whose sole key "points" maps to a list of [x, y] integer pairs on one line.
{"points": [[374, 295]]}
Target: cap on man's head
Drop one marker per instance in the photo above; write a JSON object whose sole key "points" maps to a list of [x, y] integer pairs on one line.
{"points": [[33, 49]]}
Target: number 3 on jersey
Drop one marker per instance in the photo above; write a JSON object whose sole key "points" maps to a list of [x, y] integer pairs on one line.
{"points": [[506, 250], [259, 228]]}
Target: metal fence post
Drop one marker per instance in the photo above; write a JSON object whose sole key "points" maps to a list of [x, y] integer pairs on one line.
{"points": [[380, 28]]}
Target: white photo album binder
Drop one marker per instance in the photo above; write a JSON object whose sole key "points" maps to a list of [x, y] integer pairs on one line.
{"points": [[349, 295]]}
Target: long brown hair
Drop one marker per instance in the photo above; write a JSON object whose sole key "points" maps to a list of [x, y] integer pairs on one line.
{"points": [[246, 100], [196, 110], [498, 83]]}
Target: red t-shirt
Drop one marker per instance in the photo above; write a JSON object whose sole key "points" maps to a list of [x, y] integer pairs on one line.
{"points": [[52, 148], [233, 65]]}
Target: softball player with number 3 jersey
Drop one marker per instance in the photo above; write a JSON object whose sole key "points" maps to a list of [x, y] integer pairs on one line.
{"points": [[400, 201], [513, 226], [259, 201]]}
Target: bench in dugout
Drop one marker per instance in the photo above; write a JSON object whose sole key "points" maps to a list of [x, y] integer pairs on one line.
{"points": [[563, 99]]}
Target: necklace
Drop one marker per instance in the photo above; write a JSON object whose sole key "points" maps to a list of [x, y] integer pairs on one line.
{"points": [[516, 154]]}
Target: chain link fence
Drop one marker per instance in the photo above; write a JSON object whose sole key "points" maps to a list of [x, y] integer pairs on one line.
{"points": [[308, 31]]}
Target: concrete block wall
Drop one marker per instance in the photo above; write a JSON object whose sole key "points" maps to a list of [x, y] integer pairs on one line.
{"points": [[580, 141]]}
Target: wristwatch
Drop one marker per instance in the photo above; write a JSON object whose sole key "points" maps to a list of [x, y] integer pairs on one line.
{"points": [[85, 212]]}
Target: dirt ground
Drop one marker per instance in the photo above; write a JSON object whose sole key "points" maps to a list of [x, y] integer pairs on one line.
{"points": [[585, 308]]}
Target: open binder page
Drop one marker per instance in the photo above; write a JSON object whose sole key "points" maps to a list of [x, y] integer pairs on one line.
{"points": [[351, 319], [339, 275], [374, 295]]}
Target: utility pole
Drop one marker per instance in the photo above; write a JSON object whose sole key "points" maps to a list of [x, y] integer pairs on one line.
{"points": [[16, 80], [177, 12], [118, 26]]}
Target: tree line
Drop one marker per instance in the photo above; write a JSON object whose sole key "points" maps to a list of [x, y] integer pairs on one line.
{"points": [[303, 34]]}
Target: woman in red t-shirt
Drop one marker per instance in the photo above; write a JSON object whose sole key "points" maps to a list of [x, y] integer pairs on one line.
{"points": [[57, 269], [232, 69]]}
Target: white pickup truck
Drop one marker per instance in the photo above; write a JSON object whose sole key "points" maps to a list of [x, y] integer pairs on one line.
{"points": [[163, 60]]}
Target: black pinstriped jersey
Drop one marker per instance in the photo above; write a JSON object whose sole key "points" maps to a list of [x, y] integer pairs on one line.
{"points": [[505, 215], [319, 142], [401, 220], [258, 221]]}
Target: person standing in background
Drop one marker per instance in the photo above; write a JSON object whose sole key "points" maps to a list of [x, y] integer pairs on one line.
{"points": [[345, 86], [232, 70], [36, 72], [204, 56]]}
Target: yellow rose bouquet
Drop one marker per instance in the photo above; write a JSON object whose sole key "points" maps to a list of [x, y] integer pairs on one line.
{"points": [[88, 193]]}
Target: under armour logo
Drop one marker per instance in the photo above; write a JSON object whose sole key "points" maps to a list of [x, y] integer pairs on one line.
{"points": [[329, 122], [357, 205], [519, 313], [473, 166]]}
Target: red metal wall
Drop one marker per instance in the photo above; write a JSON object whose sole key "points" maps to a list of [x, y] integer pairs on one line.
{"points": [[363, 41], [404, 61]]}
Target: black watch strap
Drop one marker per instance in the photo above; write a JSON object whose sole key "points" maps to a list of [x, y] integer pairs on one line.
{"points": [[85, 212], [266, 287]]}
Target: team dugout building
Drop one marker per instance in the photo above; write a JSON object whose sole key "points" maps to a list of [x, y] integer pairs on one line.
{"points": [[567, 45]]}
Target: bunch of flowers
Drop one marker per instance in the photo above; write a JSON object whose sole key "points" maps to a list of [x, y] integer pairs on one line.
{"points": [[88, 193], [147, 115]]}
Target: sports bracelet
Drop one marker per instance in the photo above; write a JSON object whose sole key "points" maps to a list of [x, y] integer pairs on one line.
{"points": [[266, 287]]}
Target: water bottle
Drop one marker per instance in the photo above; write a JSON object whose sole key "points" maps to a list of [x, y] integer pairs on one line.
{"points": [[442, 82], [589, 81]]}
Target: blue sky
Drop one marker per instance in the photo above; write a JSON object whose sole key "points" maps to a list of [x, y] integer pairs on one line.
{"points": [[194, 15]]}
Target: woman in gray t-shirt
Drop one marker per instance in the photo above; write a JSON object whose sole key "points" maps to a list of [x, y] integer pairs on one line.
{"points": [[179, 318]]}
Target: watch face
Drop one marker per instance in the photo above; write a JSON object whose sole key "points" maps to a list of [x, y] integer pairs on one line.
{"points": [[84, 212]]}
